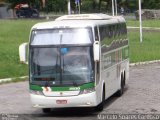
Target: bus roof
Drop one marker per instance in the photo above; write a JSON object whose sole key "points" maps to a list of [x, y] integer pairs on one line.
{"points": [[85, 17], [82, 20]]}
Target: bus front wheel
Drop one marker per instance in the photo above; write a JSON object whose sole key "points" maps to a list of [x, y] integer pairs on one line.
{"points": [[101, 105]]}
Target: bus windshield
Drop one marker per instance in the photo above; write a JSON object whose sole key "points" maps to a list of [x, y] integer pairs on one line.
{"points": [[60, 66]]}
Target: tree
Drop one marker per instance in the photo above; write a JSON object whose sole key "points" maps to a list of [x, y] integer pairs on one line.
{"points": [[151, 4], [57, 5], [2, 3], [87, 5]]}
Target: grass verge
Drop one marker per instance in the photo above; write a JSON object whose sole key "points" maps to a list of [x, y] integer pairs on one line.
{"points": [[148, 50], [146, 23], [11, 80], [12, 34]]}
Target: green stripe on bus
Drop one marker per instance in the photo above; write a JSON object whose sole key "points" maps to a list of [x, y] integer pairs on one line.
{"points": [[71, 88], [86, 86], [35, 87], [60, 88]]}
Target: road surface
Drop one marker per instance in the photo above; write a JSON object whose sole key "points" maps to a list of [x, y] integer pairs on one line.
{"points": [[141, 96]]}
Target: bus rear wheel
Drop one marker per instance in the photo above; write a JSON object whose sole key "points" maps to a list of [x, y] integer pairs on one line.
{"points": [[46, 110], [121, 90]]}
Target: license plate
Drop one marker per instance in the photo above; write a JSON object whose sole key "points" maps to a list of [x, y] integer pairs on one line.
{"points": [[61, 101]]}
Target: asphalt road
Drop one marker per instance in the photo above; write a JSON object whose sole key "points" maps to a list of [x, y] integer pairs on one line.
{"points": [[141, 96]]}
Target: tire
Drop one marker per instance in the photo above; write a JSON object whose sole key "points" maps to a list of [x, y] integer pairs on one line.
{"points": [[124, 78], [121, 90], [46, 110], [101, 105]]}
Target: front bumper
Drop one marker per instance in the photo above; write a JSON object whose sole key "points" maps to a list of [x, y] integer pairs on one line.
{"points": [[83, 100]]}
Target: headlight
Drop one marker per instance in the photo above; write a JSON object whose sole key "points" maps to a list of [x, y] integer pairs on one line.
{"points": [[85, 91], [36, 92]]}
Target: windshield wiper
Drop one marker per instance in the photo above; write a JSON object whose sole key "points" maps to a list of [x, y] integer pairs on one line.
{"points": [[75, 84], [41, 71], [47, 83], [60, 58]]}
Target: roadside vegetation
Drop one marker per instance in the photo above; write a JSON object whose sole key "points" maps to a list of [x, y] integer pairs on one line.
{"points": [[146, 23], [15, 32], [148, 50], [12, 34]]}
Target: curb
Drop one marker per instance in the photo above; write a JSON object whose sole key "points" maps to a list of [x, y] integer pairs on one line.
{"points": [[152, 28], [143, 63], [11, 79], [144, 28]]}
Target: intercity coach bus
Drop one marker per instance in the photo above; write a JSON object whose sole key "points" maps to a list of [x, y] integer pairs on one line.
{"points": [[78, 61]]}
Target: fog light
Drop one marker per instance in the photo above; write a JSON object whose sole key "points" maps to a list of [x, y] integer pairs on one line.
{"points": [[36, 92], [88, 103], [36, 105], [86, 91]]}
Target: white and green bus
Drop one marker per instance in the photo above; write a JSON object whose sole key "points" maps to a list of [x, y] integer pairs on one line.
{"points": [[78, 61]]}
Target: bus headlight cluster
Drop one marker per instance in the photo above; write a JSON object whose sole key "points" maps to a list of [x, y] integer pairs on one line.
{"points": [[88, 90], [36, 92]]}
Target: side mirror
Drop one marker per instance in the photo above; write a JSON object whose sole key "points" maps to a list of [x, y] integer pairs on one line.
{"points": [[23, 53], [96, 48]]}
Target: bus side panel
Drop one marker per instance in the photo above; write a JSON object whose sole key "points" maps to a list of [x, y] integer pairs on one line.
{"points": [[99, 91]]}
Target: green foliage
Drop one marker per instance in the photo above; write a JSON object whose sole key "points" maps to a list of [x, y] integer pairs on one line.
{"points": [[57, 5], [87, 5], [151, 4], [146, 23]]}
